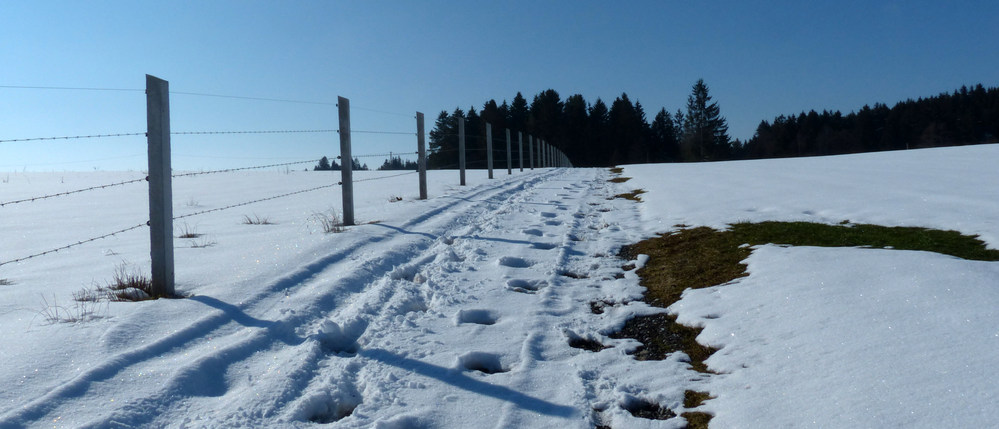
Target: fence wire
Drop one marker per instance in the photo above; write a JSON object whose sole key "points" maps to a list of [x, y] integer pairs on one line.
{"points": [[240, 97], [77, 191], [95, 136], [385, 177], [383, 154], [255, 201], [111, 234], [190, 133], [258, 167]]}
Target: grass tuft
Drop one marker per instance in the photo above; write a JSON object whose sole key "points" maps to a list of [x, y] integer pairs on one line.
{"points": [[617, 170], [188, 231], [125, 286], [79, 312], [5, 282], [329, 221], [256, 220], [620, 179]]}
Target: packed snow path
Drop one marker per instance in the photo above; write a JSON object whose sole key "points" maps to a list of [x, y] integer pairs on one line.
{"points": [[458, 317]]}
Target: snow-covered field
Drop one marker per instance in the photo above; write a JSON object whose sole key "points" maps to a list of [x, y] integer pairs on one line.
{"points": [[457, 311]]}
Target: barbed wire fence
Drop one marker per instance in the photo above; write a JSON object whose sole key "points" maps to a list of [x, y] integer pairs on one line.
{"points": [[160, 174]]}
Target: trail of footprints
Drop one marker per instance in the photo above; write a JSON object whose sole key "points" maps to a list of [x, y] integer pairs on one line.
{"points": [[341, 401]]}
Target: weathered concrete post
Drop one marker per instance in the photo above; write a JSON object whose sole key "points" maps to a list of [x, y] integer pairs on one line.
{"points": [[544, 154], [461, 150], [421, 157], [489, 148], [509, 162], [530, 150], [160, 186], [520, 149], [346, 162]]}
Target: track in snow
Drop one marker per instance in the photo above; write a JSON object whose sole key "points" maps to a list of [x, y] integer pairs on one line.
{"points": [[469, 305]]}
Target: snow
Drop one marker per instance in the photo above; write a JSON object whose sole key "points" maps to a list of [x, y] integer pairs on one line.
{"points": [[457, 311]]}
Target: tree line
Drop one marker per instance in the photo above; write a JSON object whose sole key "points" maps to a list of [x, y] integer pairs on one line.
{"points": [[597, 135], [966, 116]]}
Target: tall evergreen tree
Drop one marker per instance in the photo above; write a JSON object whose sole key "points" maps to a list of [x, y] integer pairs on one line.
{"points": [[598, 136], [665, 138], [705, 133], [444, 140], [575, 127]]}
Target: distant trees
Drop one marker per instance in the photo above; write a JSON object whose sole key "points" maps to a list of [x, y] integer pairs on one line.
{"points": [[600, 135], [325, 165], [966, 116], [397, 163]]}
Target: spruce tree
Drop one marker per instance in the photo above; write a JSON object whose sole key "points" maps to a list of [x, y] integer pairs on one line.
{"points": [[705, 133]]}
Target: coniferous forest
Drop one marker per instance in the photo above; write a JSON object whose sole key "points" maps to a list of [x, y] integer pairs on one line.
{"points": [[597, 135]]}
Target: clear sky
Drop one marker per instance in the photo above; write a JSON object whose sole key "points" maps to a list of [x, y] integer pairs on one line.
{"points": [[391, 59]]}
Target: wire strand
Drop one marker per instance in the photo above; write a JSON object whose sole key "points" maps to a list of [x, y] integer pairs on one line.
{"points": [[70, 88], [385, 154], [240, 97], [255, 201], [62, 194], [189, 133], [112, 234], [229, 170], [73, 137], [385, 177]]}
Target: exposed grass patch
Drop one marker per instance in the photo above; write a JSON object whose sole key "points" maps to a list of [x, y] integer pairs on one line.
{"points": [[620, 179], [695, 419], [633, 195], [617, 170], [703, 257]]}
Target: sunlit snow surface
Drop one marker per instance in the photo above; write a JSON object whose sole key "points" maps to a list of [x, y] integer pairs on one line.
{"points": [[457, 311]]}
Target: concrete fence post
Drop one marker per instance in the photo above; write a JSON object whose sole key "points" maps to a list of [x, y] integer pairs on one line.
{"points": [[489, 148], [530, 150], [520, 150], [509, 156], [461, 150], [160, 186], [346, 161], [421, 155]]}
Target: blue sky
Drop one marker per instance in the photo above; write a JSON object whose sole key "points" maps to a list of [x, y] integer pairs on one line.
{"points": [[391, 59]]}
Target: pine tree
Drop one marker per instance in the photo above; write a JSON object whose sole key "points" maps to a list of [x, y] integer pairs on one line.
{"points": [[598, 136], [324, 165], [665, 138], [705, 133]]}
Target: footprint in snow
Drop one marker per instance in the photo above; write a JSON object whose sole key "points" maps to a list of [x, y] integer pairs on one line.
{"points": [[478, 317], [514, 262], [543, 246], [553, 222], [548, 214], [533, 231], [525, 286], [488, 363]]}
